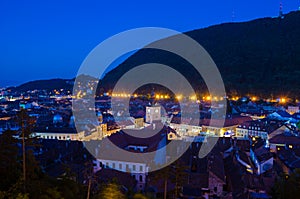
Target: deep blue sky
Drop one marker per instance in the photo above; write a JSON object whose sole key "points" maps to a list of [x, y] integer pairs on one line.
{"points": [[50, 39]]}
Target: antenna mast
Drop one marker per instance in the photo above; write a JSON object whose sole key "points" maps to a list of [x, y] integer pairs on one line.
{"points": [[281, 10]]}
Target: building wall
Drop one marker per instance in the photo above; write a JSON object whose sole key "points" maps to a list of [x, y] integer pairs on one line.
{"points": [[153, 113], [139, 122], [245, 133], [242, 133], [58, 136], [215, 184], [260, 165], [268, 164], [138, 170], [217, 131], [293, 109]]}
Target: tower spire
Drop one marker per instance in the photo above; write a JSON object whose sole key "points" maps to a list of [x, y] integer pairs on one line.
{"points": [[281, 10]]}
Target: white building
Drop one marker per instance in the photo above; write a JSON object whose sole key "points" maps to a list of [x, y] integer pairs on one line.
{"points": [[106, 156], [262, 159], [153, 113], [138, 170]]}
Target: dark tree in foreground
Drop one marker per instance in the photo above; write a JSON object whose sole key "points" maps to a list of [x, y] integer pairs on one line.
{"points": [[10, 167]]}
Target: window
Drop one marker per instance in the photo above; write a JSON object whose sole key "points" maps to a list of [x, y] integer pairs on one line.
{"points": [[141, 168], [120, 166], [106, 165], [141, 178], [133, 167], [113, 165]]}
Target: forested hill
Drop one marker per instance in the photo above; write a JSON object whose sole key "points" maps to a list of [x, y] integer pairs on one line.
{"points": [[258, 57]]}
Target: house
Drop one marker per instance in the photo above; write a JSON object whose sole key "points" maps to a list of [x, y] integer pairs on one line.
{"points": [[215, 126], [136, 165], [61, 133], [293, 109], [281, 115], [284, 141], [185, 126], [289, 160], [261, 157], [244, 160], [138, 123], [206, 176], [153, 113], [257, 128]]}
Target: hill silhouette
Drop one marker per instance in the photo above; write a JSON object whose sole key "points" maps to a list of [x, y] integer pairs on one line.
{"points": [[260, 57]]}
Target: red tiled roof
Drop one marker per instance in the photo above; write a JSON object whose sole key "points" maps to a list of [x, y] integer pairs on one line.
{"points": [[282, 139], [228, 121]]}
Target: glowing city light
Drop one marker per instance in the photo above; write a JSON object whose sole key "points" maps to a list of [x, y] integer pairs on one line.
{"points": [[179, 97], [283, 100], [193, 97]]}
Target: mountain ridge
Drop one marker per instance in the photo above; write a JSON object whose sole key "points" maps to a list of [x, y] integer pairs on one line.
{"points": [[260, 57]]}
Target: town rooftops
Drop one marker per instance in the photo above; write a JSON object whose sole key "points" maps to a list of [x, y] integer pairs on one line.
{"points": [[53, 129], [263, 154], [289, 158], [283, 113], [229, 121], [265, 125], [283, 139], [125, 142]]}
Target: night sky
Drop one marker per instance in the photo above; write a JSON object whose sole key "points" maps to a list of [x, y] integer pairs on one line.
{"points": [[50, 39]]}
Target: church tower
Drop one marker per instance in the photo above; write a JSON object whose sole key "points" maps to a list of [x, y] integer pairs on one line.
{"points": [[153, 113]]}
